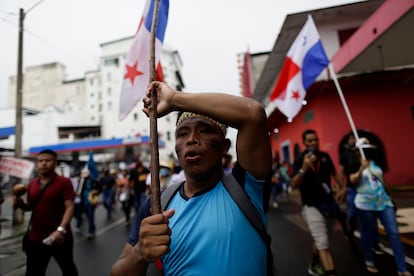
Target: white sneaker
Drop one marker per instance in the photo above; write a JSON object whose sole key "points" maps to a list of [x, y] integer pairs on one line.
{"points": [[275, 204]]}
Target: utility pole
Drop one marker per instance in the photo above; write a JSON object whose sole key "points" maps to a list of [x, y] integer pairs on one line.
{"points": [[18, 218], [19, 96]]}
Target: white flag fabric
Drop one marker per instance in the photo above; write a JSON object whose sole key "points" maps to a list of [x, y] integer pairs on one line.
{"points": [[304, 62], [137, 67]]}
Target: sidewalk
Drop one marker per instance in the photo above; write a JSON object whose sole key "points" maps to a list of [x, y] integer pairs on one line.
{"points": [[404, 199]]}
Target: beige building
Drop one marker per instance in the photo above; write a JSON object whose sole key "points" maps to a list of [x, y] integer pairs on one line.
{"points": [[45, 85]]}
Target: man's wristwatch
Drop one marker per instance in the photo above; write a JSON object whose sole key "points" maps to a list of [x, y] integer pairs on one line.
{"points": [[301, 172], [61, 229]]}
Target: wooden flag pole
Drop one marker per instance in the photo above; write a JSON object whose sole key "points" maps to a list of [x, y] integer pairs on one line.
{"points": [[155, 164]]}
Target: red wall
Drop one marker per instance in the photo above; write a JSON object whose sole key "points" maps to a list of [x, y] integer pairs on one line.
{"points": [[381, 103]]}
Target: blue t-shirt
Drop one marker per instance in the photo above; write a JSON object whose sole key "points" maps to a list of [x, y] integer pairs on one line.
{"points": [[210, 235]]}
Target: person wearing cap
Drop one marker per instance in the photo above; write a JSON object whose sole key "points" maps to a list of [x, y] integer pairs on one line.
{"points": [[374, 202], [350, 163], [203, 231], [164, 176]]}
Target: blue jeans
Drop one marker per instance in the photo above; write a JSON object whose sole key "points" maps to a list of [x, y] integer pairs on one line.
{"points": [[351, 211], [90, 214], [108, 199], [352, 216], [389, 221]]}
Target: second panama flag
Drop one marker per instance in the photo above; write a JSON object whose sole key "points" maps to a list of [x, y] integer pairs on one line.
{"points": [[137, 67], [305, 60]]}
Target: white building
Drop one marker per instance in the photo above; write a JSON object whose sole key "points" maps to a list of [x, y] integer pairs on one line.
{"points": [[69, 109]]}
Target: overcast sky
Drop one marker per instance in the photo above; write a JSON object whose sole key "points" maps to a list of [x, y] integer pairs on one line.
{"points": [[207, 34]]}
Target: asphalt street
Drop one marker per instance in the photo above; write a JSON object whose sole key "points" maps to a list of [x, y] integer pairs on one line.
{"points": [[291, 245]]}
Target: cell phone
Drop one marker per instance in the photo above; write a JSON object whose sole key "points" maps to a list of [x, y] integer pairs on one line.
{"points": [[309, 150]]}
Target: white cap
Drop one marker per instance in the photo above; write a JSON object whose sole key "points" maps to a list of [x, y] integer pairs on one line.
{"points": [[363, 143]]}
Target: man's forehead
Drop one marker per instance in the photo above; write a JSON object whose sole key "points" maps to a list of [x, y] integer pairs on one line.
{"points": [[188, 115], [197, 121], [45, 156], [311, 137]]}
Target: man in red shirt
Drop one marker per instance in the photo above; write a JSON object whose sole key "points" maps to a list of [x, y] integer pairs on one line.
{"points": [[50, 198]]}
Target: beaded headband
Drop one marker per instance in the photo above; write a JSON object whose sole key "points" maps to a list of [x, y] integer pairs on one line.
{"points": [[186, 115]]}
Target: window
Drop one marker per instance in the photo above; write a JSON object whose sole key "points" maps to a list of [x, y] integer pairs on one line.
{"points": [[91, 82], [109, 105], [135, 117], [109, 91], [111, 61]]}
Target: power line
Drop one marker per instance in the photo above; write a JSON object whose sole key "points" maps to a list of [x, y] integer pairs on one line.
{"points": [[8, 13], [6, 17]]}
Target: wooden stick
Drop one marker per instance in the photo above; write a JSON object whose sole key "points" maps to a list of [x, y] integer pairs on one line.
{"points": [[155, 164]]}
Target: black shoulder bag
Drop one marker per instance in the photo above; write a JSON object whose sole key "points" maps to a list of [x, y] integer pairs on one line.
{"points": [[25, 240]]}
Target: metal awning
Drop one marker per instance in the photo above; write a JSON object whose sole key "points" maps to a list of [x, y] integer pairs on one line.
{"points": [[7, 131], [393, 33], [95, 144], [385, 40]]}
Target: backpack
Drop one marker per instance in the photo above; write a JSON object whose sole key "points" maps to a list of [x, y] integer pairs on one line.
{"points": [[246, 206]]}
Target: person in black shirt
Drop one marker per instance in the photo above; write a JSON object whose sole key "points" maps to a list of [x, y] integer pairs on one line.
{"points": [[108, 183], [137, 179], [312, 175]]}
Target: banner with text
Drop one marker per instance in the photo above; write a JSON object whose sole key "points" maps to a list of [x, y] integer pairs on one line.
{"points": [[16, 167]]}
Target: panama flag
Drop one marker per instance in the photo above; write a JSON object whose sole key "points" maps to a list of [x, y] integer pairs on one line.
{"points": [[93, 169], [137, 67], [304, 62]]}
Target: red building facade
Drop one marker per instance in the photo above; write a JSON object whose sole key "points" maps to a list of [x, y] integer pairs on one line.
{"points": [[382, 107]]}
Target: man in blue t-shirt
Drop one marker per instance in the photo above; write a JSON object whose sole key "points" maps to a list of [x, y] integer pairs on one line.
{"points": [[203, 232]]}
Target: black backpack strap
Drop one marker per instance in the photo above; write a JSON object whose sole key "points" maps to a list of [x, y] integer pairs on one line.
{"points": [[168, 194], [251, 213], [246, 206]]}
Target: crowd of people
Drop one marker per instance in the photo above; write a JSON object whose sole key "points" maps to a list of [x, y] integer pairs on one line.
{"points": [[126, 188], [205, 183], [55, 200]]}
